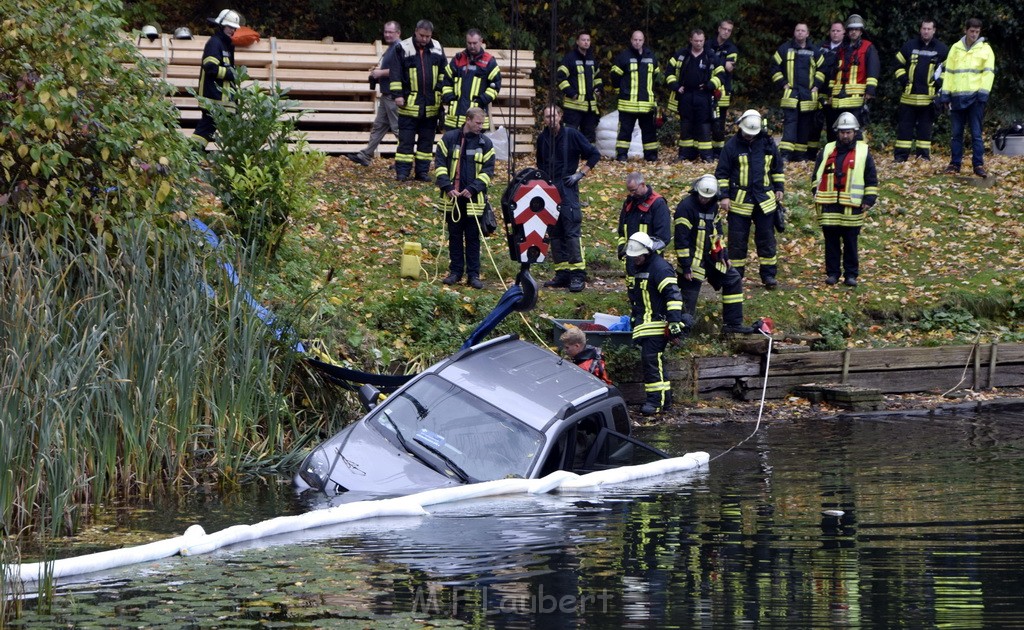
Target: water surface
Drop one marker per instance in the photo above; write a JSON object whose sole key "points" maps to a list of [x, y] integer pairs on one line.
{"points": [[931, 534]]}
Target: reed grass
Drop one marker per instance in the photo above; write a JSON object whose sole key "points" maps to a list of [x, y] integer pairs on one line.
{"points": [[128, 365]]}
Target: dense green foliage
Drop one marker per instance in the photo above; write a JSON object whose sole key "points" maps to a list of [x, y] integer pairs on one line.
{"points": [[263, 169], [87, 138]]}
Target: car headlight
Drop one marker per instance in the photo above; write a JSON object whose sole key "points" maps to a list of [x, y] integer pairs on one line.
{"points": [[314, 470]]}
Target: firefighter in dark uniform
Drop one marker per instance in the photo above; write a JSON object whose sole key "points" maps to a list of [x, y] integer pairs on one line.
{"points": [[465, 166], [796, 70], [657, 315], [829, 48], [751, 183], [695, 74], [701, 253], [856, 75], [218, 68], [416, 73], [580, 83], [845, 187], [728, 54], [472, 79], [918, 60], [559, 151], [643, 211], [634, 72]]}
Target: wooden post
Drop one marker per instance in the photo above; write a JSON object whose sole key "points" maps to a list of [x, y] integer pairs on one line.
{"points": [[846, 365], [977, 366], [992, 366]]}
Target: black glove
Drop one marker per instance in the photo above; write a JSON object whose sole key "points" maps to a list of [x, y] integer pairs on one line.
{"points": [[622, 252], [573, 179]]}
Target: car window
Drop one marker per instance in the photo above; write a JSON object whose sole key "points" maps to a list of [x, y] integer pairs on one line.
{"points": [[482, 440], [614, 449]]}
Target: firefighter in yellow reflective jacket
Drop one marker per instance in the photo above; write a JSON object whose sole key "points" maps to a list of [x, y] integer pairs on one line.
{"points": [[966, 83], [472, 79], [657, 316], [845, 186], [856, 75], [580, 82], [464, 167], [415, 73], [728, 54], [634, 72], [918, 60]]}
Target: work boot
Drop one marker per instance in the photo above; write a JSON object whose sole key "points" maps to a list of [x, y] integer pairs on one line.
{"points": [[980, 171], [474, 281], [560, 281], [358, 159], [831, 280], [452, 278], [770, 283], [649, 409], [577, 281], [738, 330], [952, 169], [850, 281]]}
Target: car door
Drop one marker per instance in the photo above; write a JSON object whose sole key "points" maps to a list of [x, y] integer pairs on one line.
{"points": [[612, 449]]}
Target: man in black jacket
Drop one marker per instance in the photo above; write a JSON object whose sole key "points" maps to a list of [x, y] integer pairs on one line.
{"points": [[796, 70], [918, 60], [559, 151], [695, 74], [751, 183], [657, 316], [643, 211], [700, 252], [580, 83], [218, 68], [416, 71], [464, 167], [634, 72]]}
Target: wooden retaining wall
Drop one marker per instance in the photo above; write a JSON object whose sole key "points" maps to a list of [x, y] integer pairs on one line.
{"points": [[330, 80], [888, 370]]}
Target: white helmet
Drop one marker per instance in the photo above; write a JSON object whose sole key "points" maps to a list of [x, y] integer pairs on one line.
{"points": [[750, 122], [706, 186], [150, 32], [182, 32], [855, 21], [639, 244], [846, 120], [230, 18]]}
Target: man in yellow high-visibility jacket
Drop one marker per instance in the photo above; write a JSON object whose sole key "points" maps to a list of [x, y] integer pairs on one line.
{"points": [[966, 83], [845, 186]]}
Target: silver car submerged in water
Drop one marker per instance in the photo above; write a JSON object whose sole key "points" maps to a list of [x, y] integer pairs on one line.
{"points": [[504, 408]]}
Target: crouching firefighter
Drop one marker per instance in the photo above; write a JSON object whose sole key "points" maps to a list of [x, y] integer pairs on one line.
{"points": [[657, 316], [701, 253]]}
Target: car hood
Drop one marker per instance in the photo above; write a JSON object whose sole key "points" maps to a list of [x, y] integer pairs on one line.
{"points": [[362, 460]]}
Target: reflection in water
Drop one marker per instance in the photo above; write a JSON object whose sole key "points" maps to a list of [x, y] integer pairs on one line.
{"points": [[931, 533]]}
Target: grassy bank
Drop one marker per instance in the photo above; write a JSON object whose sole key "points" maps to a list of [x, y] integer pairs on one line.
{"points": [[941, 260]]}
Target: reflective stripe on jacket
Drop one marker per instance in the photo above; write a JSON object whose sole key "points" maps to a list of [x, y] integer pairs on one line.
{"points": [[464, 162], [634, 74], [579, 81], [917, 64], [416, 76], [801, 69], [968, 74], [470, 82], [845, 182]]}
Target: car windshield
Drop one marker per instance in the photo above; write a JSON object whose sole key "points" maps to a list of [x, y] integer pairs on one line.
{"points": [[482, 441]]}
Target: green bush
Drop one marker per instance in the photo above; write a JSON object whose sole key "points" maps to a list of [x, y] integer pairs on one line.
{"points": [[264, 168], [835, 327], [88, 136]]}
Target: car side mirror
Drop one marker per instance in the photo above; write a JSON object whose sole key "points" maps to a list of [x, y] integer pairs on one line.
{"points": [[369, 396]]}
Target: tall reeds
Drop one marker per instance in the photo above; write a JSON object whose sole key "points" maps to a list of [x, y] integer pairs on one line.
{"points": [[127, 365]]}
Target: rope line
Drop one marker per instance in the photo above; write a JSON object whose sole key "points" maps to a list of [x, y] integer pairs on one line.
{"points": [[764, 392]]}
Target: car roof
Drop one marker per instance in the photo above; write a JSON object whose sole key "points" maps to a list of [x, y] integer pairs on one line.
{"points": [[525, 380]]}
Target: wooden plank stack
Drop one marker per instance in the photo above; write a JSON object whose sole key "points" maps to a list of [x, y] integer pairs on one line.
{"points": [[882, 370], [331, 80]]}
